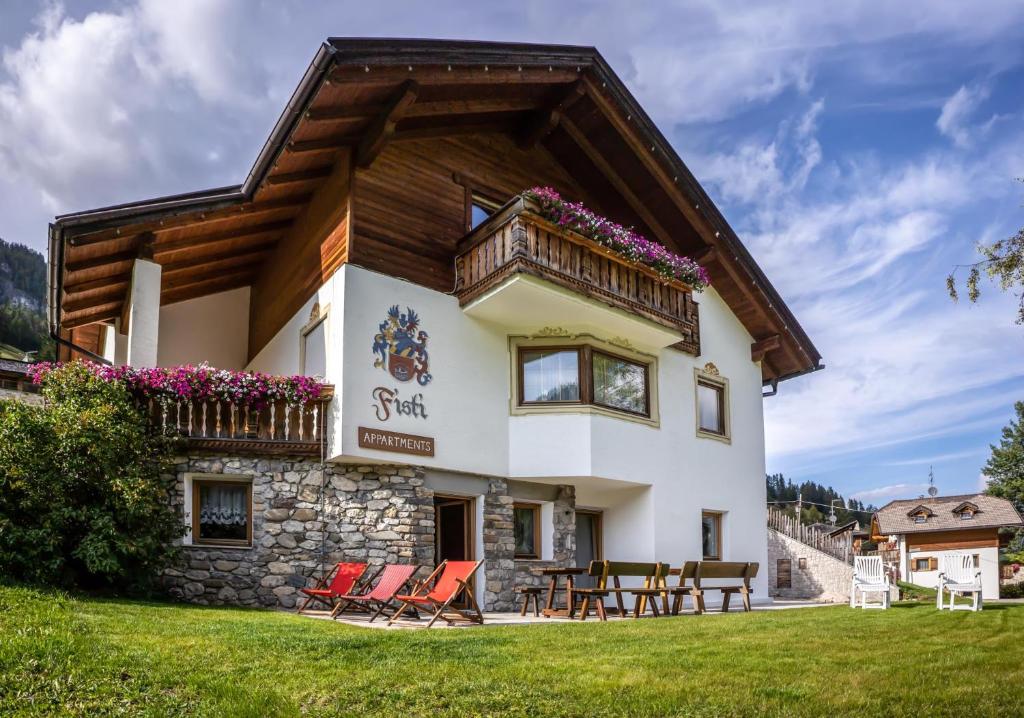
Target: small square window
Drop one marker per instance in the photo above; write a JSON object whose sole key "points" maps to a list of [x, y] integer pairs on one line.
{"points": [[966, 515], [920, 518], [221, 512], [711, 535], [526, 527]]}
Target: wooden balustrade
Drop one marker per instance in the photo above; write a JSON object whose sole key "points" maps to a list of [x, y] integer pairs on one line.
{"points": [[516, 239], [277, 427], [840, 548]]}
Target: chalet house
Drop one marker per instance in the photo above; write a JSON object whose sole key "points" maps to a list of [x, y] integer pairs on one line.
{"points": [[503, 387], [15, 383], [925, 529]]}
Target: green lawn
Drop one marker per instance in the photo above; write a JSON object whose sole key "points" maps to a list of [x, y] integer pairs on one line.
{"points": [[84, 656]]}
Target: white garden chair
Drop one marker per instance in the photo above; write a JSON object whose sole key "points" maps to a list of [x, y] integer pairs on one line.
{"points": [[869, 577], [959, 577]]}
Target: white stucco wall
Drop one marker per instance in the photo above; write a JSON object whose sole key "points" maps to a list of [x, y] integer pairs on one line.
{"points": [[214, 329], [652, 482], [989, 566]]}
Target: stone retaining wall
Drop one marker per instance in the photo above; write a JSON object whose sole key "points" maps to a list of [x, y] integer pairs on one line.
{"points": [[823, 577]]}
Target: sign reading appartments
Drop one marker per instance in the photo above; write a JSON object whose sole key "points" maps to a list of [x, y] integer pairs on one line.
{"points": [[393, 441]]}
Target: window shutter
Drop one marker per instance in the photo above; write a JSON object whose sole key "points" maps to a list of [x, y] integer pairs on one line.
{"points": [[933, 564]]}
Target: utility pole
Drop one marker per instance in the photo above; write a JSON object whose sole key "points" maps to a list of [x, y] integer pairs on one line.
{"points": [[799, 514]]}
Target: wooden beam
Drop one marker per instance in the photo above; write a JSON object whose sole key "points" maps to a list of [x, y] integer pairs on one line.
{"points": [[296, 177], [545, 123], [114, 290], [384, 126], [454, 74], [326, 144], [472, 128], [761, 347], [182, 277], [706, 256], [215, 238], [343, 112], [94, 284], [193, 218], [101, 313], [211, 262], [81, 265], [613, 177]]}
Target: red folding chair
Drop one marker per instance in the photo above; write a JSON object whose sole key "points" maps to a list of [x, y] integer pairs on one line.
{"points": [[343, 580], [450, 579], [392, 579]]}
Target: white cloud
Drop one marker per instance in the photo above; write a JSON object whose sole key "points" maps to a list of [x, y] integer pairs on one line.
{"points": [[934, 459], [957, 111], [893, 491]]}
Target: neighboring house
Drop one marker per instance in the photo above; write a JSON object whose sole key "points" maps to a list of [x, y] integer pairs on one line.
{"points": [[851, 532], [503, 388], [926, 529], [14, 381]]}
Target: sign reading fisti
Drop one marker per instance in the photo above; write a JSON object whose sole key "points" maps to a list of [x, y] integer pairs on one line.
{"points": [[393, 441]]}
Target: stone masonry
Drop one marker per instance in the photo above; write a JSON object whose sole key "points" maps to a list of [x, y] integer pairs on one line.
{"points": [[379, 514], [824, 577]]}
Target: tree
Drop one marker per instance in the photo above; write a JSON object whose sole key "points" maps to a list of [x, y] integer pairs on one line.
{"points": [[82, 498], [1003, 261], [1005, 470]]}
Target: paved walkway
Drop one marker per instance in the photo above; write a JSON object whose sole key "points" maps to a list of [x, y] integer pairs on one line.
{"points": [[514, 619]]}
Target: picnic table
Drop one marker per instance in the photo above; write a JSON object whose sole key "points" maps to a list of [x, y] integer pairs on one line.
{"points": [[554, 574]]}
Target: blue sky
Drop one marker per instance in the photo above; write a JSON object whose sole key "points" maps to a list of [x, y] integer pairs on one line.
{"points": [[860, 150]]}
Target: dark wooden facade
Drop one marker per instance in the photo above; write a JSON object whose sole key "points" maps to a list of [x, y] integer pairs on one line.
{"points": [[374, 161]]}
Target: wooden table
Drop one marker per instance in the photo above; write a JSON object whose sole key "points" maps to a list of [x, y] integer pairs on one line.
{"points": [[550, 609]]}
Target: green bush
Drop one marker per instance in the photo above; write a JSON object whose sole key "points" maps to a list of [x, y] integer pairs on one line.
{"points": [[82, 502], [1011, 590]]}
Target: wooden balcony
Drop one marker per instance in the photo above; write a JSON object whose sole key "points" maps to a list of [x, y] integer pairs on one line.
{"points": [[278, 428], [516, 240]]}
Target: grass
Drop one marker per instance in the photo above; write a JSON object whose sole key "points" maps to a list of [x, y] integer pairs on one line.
{"points": [[86, 656]]}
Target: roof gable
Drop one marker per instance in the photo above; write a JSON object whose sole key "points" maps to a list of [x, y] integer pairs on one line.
{"points": [[360, 94], [943, 512]]}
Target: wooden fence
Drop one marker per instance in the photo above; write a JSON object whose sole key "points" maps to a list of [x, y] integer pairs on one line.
{"points": [[839, 547]]}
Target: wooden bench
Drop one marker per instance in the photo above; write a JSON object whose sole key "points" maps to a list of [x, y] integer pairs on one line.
{"points": [[698, 571], [652, 573]]}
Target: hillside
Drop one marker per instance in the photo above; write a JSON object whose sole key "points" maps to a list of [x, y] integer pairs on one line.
{"points": [[23, 302], [817, 500]]}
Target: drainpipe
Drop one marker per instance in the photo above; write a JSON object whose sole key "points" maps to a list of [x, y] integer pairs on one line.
{"points": [[55, 246]]}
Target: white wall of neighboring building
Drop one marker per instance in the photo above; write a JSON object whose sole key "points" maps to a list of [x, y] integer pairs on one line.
{"points": [[214, 329], [988, 560], [652, 482]]}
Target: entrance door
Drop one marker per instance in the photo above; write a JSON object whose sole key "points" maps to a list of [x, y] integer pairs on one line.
{"points": [[453, 532], [588, 542]]}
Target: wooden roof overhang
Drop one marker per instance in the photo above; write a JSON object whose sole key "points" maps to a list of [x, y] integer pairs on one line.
{"points": [[359, 94]]}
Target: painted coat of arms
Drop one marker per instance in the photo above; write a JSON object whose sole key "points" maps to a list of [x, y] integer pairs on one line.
{"points": [[400, 347]]}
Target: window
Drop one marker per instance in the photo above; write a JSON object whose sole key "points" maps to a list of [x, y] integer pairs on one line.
{"points": [[526, 526], [925, 564], [966, 515], [314, 351], [711, 407], [222, 511], [619, 384], [478, 214], [711, 535], [977, 560], [550, 375], [583, 375], [920, 518]]}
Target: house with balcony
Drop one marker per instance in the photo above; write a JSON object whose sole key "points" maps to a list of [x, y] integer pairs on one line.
{"points": [[503, 384]]}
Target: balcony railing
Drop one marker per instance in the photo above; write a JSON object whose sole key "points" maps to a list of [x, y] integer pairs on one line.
{"points": [[278, 427], [517, 240]]}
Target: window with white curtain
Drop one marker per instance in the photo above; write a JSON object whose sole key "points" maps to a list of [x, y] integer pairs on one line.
{"points": [[222, 511]]}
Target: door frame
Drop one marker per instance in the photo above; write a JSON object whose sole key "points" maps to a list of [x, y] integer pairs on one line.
{"points": [[598, 515], [469, 509]]}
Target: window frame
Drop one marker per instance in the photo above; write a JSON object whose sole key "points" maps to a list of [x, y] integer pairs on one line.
{"points": [[721, 385], [318, 315], [195, 482], [537, 549], [719, 517], [585, 352]]}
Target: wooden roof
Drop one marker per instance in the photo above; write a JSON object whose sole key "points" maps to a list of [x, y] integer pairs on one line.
{"points": [[896, 517], [362, 93]]}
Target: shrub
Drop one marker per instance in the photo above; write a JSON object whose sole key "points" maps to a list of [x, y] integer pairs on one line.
{"points": [[82, 502], [1011, 590]]}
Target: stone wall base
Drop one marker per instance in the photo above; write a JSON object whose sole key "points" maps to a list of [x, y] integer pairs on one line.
{"points": [[823, 577]]}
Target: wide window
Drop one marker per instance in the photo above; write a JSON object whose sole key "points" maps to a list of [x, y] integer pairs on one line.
{"points": [[583, 375], [711, 408], [221, 512], [926, 564], [526, 525], [711, 535]]}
